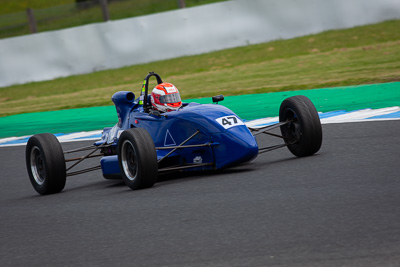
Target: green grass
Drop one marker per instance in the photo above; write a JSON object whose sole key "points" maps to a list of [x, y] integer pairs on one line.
{"points": [[54, 15], [12, 6], [361, 55]]}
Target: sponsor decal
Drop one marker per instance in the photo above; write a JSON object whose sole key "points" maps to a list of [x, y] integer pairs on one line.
{"points": [[198, 159], [171, 89]]}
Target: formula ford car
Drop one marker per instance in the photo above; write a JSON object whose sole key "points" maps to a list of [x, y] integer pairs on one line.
{"points": [[145, 143]]}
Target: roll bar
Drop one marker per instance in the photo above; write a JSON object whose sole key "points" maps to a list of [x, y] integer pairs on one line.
{"points": [[145, 89]]}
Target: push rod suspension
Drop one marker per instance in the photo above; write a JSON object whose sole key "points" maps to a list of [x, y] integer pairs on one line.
{"points": [[80, 149], [85, 148], [84, 171], [268, 127], [82, 158], [79, 158], [270, 148], [276, 135]]}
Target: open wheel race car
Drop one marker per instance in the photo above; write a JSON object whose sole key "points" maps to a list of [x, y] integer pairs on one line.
{"points": [[145, 143]]}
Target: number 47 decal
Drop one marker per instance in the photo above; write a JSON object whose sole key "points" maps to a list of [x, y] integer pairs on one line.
{"points": [[229, 121]]}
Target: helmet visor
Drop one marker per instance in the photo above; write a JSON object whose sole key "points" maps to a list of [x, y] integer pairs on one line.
{"points": [[172, 98]]}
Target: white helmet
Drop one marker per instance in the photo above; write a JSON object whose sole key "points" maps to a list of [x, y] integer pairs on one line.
{"points": [[165, 97]]}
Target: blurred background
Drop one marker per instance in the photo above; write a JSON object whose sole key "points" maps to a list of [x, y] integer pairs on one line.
{"points": [[85, 51], [31, 16]]}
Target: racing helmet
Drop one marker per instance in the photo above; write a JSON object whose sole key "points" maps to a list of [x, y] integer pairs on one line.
{"points": [[165, 97]]}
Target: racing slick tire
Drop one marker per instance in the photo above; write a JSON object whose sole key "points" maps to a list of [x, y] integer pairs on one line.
{"points": [[45, 163], [137, 158], [303, 134]]}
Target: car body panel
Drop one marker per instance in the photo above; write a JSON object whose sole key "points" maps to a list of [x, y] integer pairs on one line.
{"points": [[226, 139]]}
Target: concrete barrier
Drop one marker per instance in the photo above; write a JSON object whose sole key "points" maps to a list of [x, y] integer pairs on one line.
{"points": [[188, 31]]}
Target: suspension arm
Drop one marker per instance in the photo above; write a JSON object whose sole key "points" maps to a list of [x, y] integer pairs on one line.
{"points": [[267, 128], [84, 170]]}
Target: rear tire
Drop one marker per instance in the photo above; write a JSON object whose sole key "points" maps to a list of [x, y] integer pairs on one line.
{"points": [[303, 133], [45, 163], [137, 158]]}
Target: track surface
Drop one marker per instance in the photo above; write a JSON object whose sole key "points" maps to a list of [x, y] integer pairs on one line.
{"points": [[337, 208]]}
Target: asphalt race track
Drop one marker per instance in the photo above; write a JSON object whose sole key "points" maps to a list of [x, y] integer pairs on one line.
{"points": [[340, 207]]}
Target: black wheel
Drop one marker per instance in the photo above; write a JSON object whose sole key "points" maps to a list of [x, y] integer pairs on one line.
{"points": [[137, 158], [303, 133], [45, 163]]}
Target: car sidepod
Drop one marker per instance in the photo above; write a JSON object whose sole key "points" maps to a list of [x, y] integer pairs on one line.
{"points": [[230, 141], [207, 137]]}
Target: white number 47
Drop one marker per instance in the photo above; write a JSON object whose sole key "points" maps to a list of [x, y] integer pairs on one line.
{"points": [[229, 121]]}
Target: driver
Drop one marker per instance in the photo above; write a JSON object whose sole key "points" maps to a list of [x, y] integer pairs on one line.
{"points": [[165, 97]]}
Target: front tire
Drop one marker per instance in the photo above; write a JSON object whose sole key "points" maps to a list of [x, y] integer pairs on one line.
{"points": [[137, 158], [303, 133], [45, 163]]}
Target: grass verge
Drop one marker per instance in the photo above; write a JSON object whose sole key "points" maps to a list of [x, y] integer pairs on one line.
{"points": [[63, 14], [361, 55]]}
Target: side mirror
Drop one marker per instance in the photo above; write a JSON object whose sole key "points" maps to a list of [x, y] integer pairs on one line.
{"points": [[217, 98]]}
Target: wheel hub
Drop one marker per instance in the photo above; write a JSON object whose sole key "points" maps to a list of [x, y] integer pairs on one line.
{"points": [[37, 166], [129, 160]]}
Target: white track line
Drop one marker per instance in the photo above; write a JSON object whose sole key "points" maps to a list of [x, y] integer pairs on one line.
{"points": [[352, 116]]}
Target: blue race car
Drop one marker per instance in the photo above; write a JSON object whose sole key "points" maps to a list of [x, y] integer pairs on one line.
{"points": [[195, 137]]}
